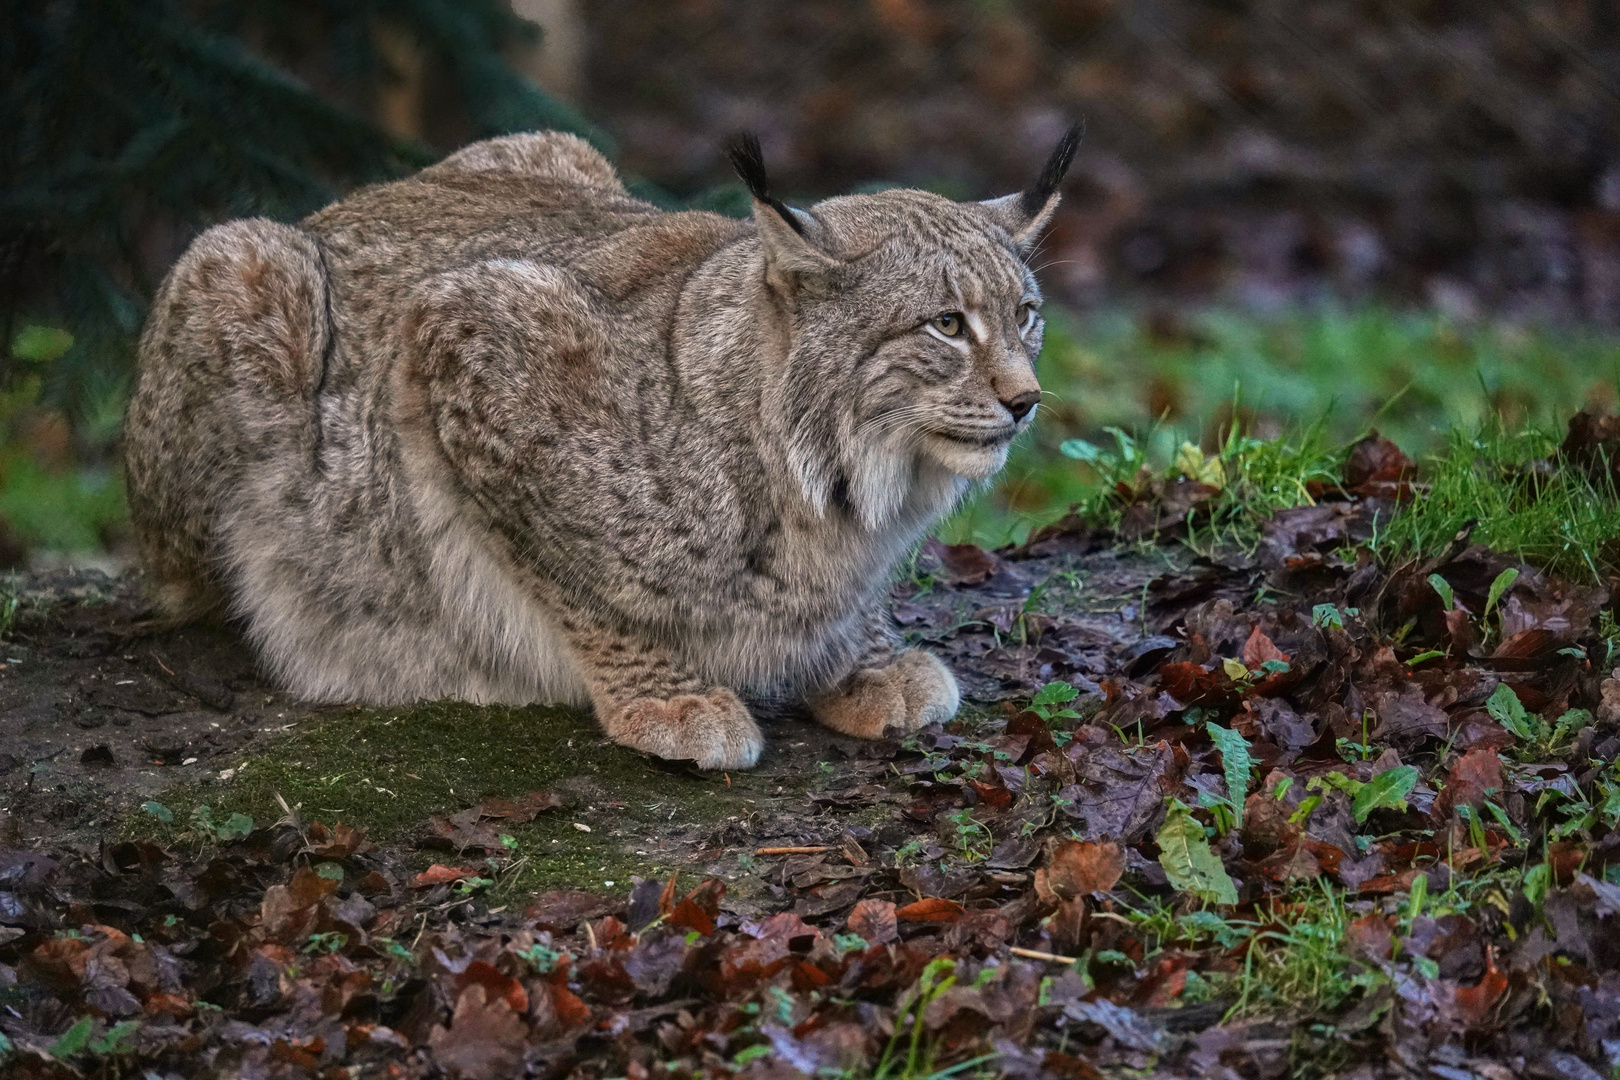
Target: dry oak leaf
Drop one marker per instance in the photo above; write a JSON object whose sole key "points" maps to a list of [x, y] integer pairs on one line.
{"points": [[288, 912], [1608, 710], [1472, 775], [874, 920], [496, 983], [439, 874], [338, 842], [485, 1038], [1376, 466], [699, 909], [965, 564], [1472, 1007], [1078, 867], [1260, 648], [1370, 937], [521, 809], [1407, 717], [934, 909]]}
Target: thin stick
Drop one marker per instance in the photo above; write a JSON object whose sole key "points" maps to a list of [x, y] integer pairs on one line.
{"points": [[790, 850], [1112, 915], [1036, 954]]}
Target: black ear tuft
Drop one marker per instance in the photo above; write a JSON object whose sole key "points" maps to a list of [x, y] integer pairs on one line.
{"points": [[1057, 166], [745, 156]]}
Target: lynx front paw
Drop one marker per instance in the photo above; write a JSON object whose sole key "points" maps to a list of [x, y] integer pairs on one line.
{"points": [[713, 729], [913, 691]]}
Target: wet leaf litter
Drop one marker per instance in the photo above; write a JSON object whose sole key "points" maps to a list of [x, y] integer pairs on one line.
{"points": [[1279, 812]]}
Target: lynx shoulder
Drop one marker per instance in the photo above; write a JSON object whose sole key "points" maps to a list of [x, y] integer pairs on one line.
{"points": [[503, 432]]}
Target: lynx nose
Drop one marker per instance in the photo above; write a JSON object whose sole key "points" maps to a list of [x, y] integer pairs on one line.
{"points": [[1020, 405]]}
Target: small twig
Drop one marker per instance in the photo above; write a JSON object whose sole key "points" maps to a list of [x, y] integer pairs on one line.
{"points": [[1036, 954], [1112, 915], [791, 850]]}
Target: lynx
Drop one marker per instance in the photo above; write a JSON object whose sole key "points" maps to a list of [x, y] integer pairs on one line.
{"points": [[501, 432]]}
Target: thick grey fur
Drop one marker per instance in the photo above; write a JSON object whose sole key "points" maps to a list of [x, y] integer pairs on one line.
{"points": [[502, 432]]}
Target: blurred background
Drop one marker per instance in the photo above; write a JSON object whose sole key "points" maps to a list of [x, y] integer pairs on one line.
{"points": [[1295, 215]]}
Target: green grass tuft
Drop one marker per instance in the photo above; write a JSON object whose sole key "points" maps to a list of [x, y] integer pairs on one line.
{"points": [[1560, 519], [1313, 380]]}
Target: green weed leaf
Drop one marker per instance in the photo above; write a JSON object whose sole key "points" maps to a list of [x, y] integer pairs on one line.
{"points": [[750, 1054], [1443, 587], [1306, 805], [1388, 789], [1327, 615], [40, 345], [1054, 693], [116, 1041], [1537, 879], [236, 827], [1187, 860], [1476, 827], [1236, 764], [73, 1040], [1338, 780], [1504, 581], [1506, 709], [1573, 720], [1506, 822], [1081, 450], [1417, 897]]}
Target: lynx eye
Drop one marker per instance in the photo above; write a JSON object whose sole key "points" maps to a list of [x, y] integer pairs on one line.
{"points": [[1027, 314], [949, 323]]}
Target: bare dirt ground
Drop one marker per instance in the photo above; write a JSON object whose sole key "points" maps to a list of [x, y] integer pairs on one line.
{"points": [[98, 714]]}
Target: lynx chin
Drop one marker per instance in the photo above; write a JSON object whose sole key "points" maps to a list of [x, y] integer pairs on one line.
{"points": [[502, 432]]}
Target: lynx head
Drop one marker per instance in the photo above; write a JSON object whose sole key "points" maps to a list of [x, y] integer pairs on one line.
{"points": [[912, 324]]}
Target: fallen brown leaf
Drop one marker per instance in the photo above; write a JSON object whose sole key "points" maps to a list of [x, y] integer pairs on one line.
{"points": [[931, 910], [439, 874], [485, 1038], [1078, 867]]}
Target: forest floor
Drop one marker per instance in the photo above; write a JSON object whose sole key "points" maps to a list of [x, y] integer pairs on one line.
{"points": [[1279, 808]]}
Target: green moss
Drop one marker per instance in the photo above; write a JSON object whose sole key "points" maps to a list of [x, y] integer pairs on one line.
{"points": [[389, 770]]}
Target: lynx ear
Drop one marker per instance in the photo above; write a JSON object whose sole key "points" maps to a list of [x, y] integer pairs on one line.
{"points": [[793, 260], [1025, 214]]}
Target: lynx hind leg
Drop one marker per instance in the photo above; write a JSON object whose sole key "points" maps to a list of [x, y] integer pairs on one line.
{"points": [[555, 155], [230, 355], [644, 701], [913, 691]]}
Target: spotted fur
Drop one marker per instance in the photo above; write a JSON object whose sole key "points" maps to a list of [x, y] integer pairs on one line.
{"points": [[503, 432]]}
